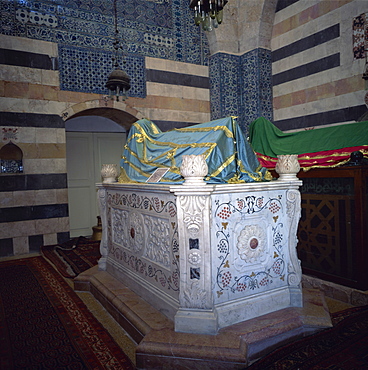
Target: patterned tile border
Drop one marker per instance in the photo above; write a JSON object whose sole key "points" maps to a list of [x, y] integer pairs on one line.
{"points": [[242, 86]]}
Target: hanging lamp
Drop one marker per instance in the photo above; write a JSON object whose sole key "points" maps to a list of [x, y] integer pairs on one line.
{"points": [[118, 82], [208, 13]]}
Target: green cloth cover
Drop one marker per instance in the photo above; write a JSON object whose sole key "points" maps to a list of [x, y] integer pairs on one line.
{"points": [[267, 139]]}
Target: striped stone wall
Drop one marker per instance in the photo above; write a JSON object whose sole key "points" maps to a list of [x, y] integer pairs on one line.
{"points": [[178, 94], [34, 204], [316, 80]]}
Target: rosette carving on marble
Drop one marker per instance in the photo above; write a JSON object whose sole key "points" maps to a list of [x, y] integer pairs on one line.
{"points": [[194, 258], [293, 206], [193, 207], [195, 297], [136, 232], [194, 168], [251, 243]]}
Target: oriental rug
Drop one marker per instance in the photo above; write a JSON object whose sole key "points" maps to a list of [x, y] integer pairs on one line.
{"points": [[74, 256], [45, 325], [344, 346]]}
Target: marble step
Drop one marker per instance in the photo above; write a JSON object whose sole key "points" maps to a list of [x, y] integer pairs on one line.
{"points": [[234, 347]]}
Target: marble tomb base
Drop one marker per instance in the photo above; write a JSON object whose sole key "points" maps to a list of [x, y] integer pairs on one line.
{"points": [[204, 275], [159, 346]]}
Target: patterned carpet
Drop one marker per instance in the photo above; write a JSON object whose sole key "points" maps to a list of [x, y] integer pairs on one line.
{"points": [[45, 325], [74, 256], [344, 346]]}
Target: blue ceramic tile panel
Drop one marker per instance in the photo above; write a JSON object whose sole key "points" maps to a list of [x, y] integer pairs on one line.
{"points": [[8, 22], [256, 86], [241, 86], [84, 31], [224, 74], [266, 97], [250, 88], [215, 84], [87, 70]]}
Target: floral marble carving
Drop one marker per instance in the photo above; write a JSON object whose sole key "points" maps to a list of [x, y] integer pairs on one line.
{"points": [[136, 232], [194, 258], [158, 243], [192, 207], [287, 167], [194, 168], [120, 221], [109, 173], [293, 212], [195, 297], [142, 236]]}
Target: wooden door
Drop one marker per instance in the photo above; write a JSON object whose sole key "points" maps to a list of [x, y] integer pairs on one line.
{"points": [[85, 153]]}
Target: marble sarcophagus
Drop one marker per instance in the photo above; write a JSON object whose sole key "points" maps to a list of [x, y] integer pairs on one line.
{"points": [[205, 255]]}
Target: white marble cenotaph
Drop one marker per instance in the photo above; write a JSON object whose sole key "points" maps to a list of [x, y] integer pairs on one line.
{"points": [[206, 255]]}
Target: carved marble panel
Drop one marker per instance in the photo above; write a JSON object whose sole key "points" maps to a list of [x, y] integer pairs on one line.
{"points": [[158, 248], [143, 237], [251, 237]]}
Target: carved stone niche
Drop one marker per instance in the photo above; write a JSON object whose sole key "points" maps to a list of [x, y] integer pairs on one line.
{"points": [[11, 158]]}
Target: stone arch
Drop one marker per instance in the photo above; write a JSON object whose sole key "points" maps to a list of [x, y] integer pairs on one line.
{"points": [[81, 187], [119, 112], [11, 158], [247, 25]]}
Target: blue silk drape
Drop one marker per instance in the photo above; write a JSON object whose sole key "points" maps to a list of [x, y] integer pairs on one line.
{"points": [[229, 156]]}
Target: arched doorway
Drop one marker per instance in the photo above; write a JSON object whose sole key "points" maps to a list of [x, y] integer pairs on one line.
{"points": [[93, 137]]}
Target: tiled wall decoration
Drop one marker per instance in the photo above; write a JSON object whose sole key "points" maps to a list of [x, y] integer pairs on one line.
{"points": [[256, 86], [27, 16], [224, 71], [84, 31], [360, 35], [78, 68], [241, 86]]}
